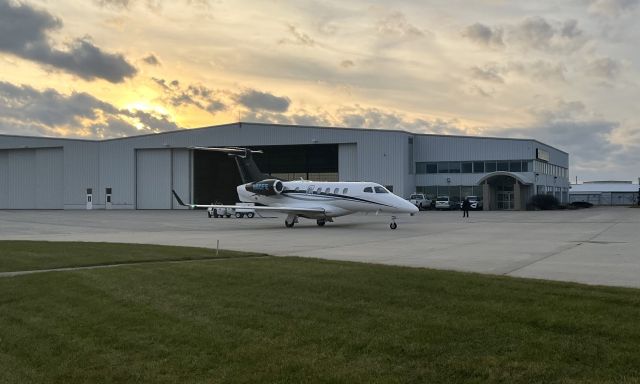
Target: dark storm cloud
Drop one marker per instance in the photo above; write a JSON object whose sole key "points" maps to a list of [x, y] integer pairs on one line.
{"points": [[24, 33], [25, 110], [484, 35], [257, 100]]}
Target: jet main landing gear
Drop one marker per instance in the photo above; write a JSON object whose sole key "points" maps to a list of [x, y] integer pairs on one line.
{"points": [[321, 222], [290, 221]]}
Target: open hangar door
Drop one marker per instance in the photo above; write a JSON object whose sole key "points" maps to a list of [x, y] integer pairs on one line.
{"points": [[32, 178], [215, 175]]}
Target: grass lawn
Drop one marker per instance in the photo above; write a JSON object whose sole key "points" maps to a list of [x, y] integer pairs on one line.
{"points": [[29, 255], [294, 320]]}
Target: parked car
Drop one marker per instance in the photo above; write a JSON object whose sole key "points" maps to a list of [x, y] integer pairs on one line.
{"points": [[444, 202], [420, 201], [475, 204]]}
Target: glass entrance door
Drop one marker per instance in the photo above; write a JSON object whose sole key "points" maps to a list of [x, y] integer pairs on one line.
{"points": [[504, 200]]}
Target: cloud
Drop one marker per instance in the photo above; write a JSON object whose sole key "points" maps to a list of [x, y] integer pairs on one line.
{"points": [[195, 95], [257, 100], [24, 33], [151, 59], [298, 38], [490, 73], [541, 34], [531, 33], [347, 64], [357, 117], [396, 24], [604, 68], [612, 8], [26, 110], [484, 35]]}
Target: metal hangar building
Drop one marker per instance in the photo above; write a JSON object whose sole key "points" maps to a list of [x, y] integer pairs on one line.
{"points": [[139, 172]]}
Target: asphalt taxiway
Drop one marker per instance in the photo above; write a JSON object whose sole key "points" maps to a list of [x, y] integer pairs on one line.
{"points": [[593, 246]]}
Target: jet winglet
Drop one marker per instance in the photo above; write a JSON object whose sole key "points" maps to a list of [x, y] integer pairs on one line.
{"points": [[178, 199]]}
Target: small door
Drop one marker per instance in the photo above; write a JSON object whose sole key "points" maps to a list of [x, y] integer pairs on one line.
{"points": [[89, 198], [107, 198]]}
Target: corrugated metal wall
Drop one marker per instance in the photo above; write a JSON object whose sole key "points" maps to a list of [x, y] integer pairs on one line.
{"points": [[32, 178], [348, 162], [153, 179], [181, 174]]}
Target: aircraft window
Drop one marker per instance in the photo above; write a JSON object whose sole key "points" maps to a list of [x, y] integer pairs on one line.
{"points": [[297, 188], [310, 190], [345, 191], [327, 191], [368, 190], [336, 191], [381, 190], [319, 190]]}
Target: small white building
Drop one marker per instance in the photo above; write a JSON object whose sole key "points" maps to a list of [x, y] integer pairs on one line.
{"points": [[605, 192]]}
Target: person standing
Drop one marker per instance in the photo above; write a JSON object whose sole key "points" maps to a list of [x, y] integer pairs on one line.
{"points": [[466, 204]]}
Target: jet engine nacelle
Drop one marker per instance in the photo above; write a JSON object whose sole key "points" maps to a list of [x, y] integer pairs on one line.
{"points": [[268, 187]]}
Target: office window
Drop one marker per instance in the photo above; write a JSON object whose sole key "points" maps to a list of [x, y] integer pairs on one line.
{"points": [[454, 167], [443, 167], [421, 168], [489, 166], [432, 167], [478, 167], [503, 165], [525, 166], [467, 167], [515, 166]]}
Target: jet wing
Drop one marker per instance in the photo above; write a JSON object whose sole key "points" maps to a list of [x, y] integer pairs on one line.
{"points": [[294, 210]]}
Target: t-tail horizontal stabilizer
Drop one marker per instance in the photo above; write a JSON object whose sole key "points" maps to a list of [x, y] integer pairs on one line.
{"points": [[249, 171], [178, 199]]}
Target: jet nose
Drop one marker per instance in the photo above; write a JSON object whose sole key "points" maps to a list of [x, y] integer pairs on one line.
{"points": [[407, 207]]}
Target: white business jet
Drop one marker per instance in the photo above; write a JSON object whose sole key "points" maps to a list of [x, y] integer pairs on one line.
{"points": [[320, 201]]}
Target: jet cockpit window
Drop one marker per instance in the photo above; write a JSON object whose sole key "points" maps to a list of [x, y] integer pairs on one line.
{"points": [[336, 191], [381, 189], [368, 189], [345, 191]]}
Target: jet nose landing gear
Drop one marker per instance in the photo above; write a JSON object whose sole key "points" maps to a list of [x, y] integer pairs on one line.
{"points": [[393, 224]]}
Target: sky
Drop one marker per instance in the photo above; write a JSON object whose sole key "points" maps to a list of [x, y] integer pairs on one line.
{"points": [[563, 72]]}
